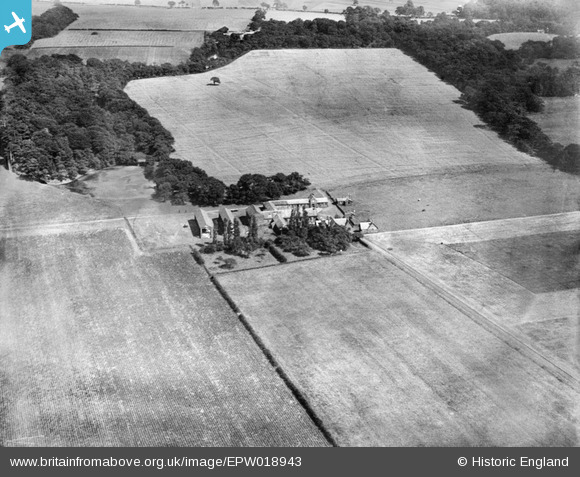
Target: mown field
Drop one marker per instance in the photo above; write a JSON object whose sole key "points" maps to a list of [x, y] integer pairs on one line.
{"points": [[560, 119], [386, 362], [104, 346], [513, 41], [335, 116]]}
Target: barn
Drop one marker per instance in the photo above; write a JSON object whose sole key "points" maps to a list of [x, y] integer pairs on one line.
{"points": [[204, 223]]}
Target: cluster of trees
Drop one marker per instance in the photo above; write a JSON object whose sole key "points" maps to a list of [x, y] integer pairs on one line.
{"points": [[233, 241], [561, 47], [50, 23], [410, 10], [548, 82], [302, 235], [179, 181], [62, 118]]}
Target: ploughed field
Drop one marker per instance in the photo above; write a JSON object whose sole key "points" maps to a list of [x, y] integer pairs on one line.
{"points": [[385, 361], [335, 116], [102, 345]]}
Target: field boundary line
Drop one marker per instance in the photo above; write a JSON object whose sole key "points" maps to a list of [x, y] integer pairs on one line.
{"points": [[481, 230], [483, 319], [133, 237], [294, 390]]}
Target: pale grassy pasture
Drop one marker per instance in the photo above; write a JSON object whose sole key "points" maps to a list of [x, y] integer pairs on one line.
{"points": [[454, 197], [513, 41], [560, 119], [385, 361], [333, 115]]}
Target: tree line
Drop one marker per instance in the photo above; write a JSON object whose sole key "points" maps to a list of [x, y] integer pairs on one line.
{"points": [[180, 181], [63, 117], [50, 23]]}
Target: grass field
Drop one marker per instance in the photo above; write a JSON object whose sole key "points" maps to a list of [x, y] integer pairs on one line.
{"points": [[335, 116], [386, 362], [560, 119], [540, 263], [485, 193], [102, 345], [513, 41]]}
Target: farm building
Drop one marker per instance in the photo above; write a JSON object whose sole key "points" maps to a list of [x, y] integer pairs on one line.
{"points": [[365, 227], [204, 223], [316, 200], [226, 214]]}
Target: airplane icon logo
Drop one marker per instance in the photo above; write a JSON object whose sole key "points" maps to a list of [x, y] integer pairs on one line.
{"points": [[18, 22]]}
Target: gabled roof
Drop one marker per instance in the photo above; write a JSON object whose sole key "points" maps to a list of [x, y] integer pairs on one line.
{"points": [[203, 220], [226, 214], [279, 222]]}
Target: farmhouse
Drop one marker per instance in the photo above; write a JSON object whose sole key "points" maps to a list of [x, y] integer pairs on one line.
{"points": [[204, 223], [364, 227]]}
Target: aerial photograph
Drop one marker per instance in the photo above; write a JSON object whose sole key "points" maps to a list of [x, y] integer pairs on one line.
{"points": [[304, 223]]}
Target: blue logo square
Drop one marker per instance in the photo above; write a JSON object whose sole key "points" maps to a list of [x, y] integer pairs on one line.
{"points": [[15, 22]]}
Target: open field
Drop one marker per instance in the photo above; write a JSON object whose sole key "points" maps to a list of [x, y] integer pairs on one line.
{"points": [[138, 34], [150, 47], [560, 119], [140, 54], [513, 41], [519, 274], [484, 193], [102, 345], [114, 17], [434, 6], [561, 64], [541, 263], [385, 361], [127, 38], [335, 116], [290, 15]]}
